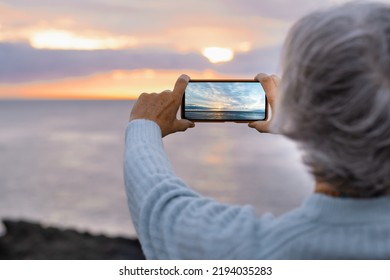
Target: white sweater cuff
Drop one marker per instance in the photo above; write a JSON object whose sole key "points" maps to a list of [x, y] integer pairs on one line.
{"points": [[144, 132]]}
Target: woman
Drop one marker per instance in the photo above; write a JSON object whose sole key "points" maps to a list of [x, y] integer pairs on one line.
{"points": [[334, 100]]}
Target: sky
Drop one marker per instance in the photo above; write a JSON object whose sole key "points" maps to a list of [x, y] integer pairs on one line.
{"points": [[117, 49], [225, 96]]}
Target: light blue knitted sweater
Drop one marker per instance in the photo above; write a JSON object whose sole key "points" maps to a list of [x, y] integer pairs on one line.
{"points": [[174, 222]]}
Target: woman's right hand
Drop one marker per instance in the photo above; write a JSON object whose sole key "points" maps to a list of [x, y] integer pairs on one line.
{"points": [[270, 85]]}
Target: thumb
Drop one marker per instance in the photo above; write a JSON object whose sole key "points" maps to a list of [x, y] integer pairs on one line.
{"points": [[261, 126], [180, 86], [182, 125]]}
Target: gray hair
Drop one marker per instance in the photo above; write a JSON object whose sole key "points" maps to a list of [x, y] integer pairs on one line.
{"points": [[335, 96]]}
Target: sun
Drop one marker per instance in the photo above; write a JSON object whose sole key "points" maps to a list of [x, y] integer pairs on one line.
{"points": [[217, 54]]}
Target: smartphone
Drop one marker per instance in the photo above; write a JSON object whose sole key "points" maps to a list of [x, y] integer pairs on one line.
{"points": [[224, 101]]}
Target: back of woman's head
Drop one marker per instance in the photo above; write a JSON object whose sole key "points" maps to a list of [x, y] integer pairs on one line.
{"points": [[335, 96]]}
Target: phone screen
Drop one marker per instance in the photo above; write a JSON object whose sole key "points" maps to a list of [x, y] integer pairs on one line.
{"points": [[219, 100]]}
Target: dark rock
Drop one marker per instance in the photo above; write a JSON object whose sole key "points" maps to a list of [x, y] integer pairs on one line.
{"points": [[31, 241]]}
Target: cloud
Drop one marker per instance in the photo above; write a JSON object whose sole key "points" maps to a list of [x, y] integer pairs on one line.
{"points": [[266, 60], [22, 63], [279, 9], [164, 35], [176, 25], [167, 35]]}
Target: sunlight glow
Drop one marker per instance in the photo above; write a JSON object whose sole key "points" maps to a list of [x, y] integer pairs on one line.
{"points": [[218, 106], [64, 40], [217, 54], [116, 84]]}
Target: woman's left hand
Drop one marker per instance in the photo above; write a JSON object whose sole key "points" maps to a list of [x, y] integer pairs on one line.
{"points": [[162, 108]]}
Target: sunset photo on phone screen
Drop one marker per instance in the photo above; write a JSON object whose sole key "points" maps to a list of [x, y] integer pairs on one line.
{"points": [[225, 101]]}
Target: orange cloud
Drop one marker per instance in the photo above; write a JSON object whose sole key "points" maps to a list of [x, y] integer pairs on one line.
{"points": [[113, 85]]}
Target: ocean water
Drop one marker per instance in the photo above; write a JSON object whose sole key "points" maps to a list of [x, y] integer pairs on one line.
{"points": [[61, 164], [225, 115]]}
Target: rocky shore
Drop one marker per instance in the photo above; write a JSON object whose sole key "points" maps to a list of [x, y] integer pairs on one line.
{"points": [[31, 241]]}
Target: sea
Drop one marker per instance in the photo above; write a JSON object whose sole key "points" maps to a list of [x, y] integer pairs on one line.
{"points": [[61, 165], [225, 115]]}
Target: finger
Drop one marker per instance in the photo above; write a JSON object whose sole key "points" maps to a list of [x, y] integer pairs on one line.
{"points": [[167, 91], [182, 125], [269, 83], [180, 86], [261, 126], [276, 80]]}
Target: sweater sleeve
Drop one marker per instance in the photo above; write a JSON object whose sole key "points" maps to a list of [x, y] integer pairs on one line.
{"points": [[172, 221]]}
